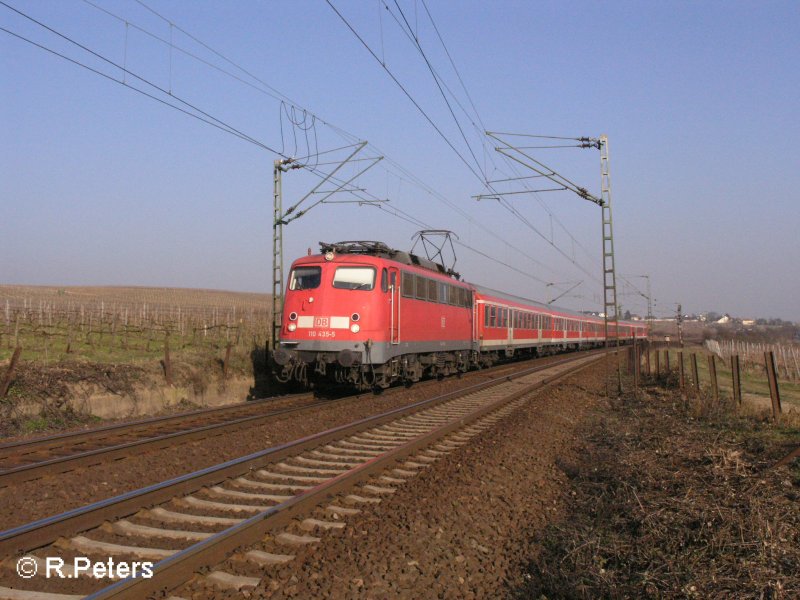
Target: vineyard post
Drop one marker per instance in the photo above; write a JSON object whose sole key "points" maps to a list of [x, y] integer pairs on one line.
{"points": [[636, 361], [647, 361], [737, 381], [10, 373], [712, 373], [695, 373], [666, 362], [774, 391], [658, 364], [681, 373]]}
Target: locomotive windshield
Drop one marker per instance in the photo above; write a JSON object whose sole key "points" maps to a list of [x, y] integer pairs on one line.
{"points": [[305, 278], [354, 278]]}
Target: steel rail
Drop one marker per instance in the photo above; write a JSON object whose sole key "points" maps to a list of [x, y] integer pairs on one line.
{"points": [[10, 449], [44, 531], [180, 567], [92, 457]]}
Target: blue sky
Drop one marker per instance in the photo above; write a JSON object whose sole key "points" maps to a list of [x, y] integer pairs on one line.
{"points": [[101, 185]]}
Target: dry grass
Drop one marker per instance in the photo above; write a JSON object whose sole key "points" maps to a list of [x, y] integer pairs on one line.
{"points": [[675, 499]]}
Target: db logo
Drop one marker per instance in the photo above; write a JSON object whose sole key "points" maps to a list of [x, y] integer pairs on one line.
{"points": [[27, 567], [321, 322]]}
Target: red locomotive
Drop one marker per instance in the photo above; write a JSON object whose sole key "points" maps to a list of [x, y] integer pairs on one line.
{"points": [[365, 315]]}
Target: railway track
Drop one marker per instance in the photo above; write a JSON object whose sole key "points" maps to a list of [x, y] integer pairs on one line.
{"points": [[256, 509], [26, 460], [30, 459]]}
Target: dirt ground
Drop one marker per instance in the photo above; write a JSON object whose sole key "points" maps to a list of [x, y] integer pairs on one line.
{"points": [[575, 496]]}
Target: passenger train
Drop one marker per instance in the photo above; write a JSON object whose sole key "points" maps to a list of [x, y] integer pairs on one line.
{"points": [[365, 315]]}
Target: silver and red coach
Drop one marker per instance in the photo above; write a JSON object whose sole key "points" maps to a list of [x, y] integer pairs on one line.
{"points": [[362, 314]]}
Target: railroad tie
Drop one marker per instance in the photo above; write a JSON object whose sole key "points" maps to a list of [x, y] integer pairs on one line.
{"points": [[225, 580], [16, 594], [341, 511], [89, 546], [162, 514], [193, 502], [266, 559], [377, 489], [289, 477], [313, 524], [127, 528], [291, 539], [217, 491], [355, 499], [263, 485]]}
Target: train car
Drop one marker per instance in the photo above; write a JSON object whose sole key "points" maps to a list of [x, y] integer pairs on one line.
{"points": [[364, 315], [508, 325]]}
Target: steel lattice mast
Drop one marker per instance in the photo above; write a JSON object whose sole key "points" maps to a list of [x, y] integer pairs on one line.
{"points": [[610, 306]]}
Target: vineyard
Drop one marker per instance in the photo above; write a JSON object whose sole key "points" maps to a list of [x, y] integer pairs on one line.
{"points": [[751, 355], [129, 324]]}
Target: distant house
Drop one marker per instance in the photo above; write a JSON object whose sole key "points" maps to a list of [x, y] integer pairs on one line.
{"points": [[748, 322], [726, 318]]}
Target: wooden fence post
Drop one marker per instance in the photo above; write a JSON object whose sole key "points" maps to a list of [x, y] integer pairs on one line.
{"points": [[658, 364], [636, 360], [647, 361], [666, 362], [681, 374], [772, 377], [737, 381], [10, 373], [712, 373], [695, 373]]}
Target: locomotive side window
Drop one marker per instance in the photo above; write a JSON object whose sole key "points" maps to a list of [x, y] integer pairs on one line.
{"points": [[432, 287], [422, 288], [408, 285], [452, 295], [384, 280], [305, 278], [354, 278], [443, 292], [493, 317]]}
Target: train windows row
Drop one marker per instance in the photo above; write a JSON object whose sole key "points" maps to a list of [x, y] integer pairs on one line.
{"points": [[498, 316], [431, 290]]}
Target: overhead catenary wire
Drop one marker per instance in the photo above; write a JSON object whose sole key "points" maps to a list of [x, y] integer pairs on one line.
{"points": [[188, 108], [405, 91]]}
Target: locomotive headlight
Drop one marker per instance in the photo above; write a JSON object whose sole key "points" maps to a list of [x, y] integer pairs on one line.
{"points": [[355, 328], [293, 316], [355, 317], [291, 326], [329, 255]]}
